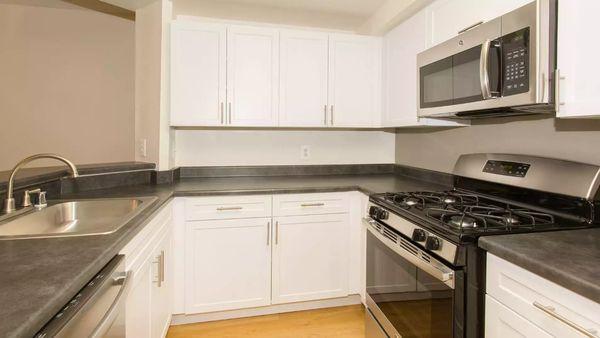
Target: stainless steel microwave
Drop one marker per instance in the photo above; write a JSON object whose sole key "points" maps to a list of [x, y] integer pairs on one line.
{"points": [[501, 67]]}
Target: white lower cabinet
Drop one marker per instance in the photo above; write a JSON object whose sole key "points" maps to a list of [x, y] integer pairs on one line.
{"points": [[502, 322], [148, 257], [310, 258], [520, 303], [244, 257], [227, 264]]}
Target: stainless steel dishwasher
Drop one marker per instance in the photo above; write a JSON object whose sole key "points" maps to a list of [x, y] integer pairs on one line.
{"points": [[98, 310]]}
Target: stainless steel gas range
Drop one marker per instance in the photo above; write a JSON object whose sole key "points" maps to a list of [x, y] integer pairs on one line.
{"points": [[426, 275]]}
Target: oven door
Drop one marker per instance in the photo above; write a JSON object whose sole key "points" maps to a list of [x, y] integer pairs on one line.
{"points": [[410, 294]]}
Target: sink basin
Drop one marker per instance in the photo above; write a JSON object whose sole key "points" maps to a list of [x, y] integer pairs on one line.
{"points": [[74, 218]]}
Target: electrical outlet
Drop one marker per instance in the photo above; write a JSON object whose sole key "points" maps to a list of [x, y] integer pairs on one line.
{"points": [[304, 152], [142, 148]]}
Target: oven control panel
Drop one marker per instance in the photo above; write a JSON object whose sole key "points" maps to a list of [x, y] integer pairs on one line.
{"points": [[506, 168], [515, 61]]}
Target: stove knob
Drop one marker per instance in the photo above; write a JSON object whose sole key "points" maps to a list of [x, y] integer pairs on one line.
{"points": [[433, 243], [382, 214], [419, 235], [373, 211]]}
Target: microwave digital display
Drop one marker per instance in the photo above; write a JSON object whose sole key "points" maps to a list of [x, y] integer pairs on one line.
{"points": [[515, 62]]}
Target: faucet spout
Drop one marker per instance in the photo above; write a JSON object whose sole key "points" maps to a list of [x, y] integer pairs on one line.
{"points": [[9, 203]]}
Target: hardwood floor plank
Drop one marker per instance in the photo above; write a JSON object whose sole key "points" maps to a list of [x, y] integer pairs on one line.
{"points": [[346, 322]]}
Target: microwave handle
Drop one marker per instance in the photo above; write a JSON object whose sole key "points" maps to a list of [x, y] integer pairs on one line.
{"points": [[484, 77]]}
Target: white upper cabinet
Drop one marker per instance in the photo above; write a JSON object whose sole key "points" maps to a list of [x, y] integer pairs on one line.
{"points": [[252, 76], [579, 83], [303, 84], [354, 80], [197, 73], [400, 48], [446, 18]]}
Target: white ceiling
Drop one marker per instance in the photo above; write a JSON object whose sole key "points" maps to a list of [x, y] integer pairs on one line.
{"points": [[364, 8]]}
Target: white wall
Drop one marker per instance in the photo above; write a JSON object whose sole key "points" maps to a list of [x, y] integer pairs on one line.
{"points": [[282, 147], [66, 83]]}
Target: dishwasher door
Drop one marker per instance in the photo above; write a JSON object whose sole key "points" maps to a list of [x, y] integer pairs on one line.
{"points": [[98, 310]]}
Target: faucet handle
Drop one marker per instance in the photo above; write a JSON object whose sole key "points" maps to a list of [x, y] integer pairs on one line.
{"points": [[41, 201], [27, 197]]}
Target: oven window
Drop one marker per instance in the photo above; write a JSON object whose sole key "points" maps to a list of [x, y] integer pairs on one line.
{"points": [[415, 303], [436, 84]]}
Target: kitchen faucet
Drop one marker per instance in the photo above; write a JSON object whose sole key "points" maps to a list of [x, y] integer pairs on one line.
{"points": [[9, 203]]}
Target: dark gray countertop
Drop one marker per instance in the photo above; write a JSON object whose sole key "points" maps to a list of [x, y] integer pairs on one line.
{"points": [[28, 176], [38, 276], [570, 258]]}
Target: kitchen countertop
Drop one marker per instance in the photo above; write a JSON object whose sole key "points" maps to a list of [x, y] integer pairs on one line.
{"points": [[39, 276], [569, 258]]}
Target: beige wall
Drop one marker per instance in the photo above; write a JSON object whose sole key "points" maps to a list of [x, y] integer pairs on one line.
{"points": [[66, 83], [438, 149]]}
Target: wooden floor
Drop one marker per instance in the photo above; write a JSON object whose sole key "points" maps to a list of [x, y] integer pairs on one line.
{"points": [[346, 321]]}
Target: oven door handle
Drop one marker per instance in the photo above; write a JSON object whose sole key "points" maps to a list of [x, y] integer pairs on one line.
{"points": [[446, 275]]}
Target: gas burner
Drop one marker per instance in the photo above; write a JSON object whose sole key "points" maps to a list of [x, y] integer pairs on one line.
{"points": [[462, 221], [510, 219], [449, 199], [410, 201]]}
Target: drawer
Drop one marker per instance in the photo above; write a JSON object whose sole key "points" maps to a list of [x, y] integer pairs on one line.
{"points": [[502, 322], [546, 304], [310, 204], [227, 207]]}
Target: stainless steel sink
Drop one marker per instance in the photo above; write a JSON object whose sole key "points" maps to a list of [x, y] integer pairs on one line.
{"points": [[74, 218]]}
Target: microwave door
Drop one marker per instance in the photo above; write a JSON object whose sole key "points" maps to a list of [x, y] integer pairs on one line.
{"points": [[476, 73]]}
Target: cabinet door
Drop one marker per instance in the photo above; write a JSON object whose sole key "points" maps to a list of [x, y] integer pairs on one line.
{"points": [[162, 287], [354, 80], [448, 17], [252, 76], [579, 84], [197, 74], [501, 322], [227, 264], [303, 84], [137, 314], [310, 258]]}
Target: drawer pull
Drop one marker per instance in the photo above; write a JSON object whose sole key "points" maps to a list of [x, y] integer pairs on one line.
{"points": [[550, 310], [229, 208], [312, 204]]}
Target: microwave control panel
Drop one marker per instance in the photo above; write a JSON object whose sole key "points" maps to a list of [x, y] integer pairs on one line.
{"points": [[515, 62], [506, 168]]}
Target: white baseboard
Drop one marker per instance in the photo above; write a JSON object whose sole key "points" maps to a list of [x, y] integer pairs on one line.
{"points": [[179, 319]]}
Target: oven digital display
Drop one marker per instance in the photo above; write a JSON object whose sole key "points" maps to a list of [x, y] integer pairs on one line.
{"points": [[506, 168]]}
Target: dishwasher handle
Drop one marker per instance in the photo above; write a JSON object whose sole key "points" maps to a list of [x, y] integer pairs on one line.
{"points": [[115, 307]]}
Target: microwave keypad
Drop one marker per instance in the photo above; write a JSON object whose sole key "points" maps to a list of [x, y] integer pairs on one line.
{"points": [[515, 62]]}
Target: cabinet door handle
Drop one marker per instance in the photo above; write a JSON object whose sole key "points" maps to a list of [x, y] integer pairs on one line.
{"points": [[331, 113], [229, 208], [229, 112], [557, 79], [550, 310], [312, 204], [470, 27], [159, 269], [222, 113], [325, 114], [268, 233], [162, 266], [276, 233]]}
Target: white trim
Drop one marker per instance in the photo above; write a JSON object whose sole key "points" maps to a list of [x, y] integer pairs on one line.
{"points": [[180, 319]]}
